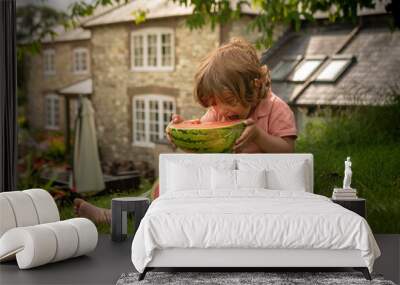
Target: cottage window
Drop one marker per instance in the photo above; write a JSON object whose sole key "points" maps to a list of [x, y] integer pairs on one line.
{"points": [[137, 42], [166, 49], [336, 66], [151, 115], [284, 67], [52, 111], [152, 49], [81, 61], [49, 62], [306, 68]]}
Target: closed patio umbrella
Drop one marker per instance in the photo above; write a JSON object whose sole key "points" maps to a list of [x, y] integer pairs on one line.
{"points": [[87, 174]]}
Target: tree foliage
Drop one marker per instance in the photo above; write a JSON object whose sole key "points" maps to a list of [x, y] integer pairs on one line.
{"points": [[271, 12], [35, 23]]}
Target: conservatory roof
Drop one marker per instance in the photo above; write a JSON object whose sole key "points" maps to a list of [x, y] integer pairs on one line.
{"points": [[366, 71]]}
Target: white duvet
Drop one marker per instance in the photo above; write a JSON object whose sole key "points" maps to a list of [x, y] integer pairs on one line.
{"points": [[253, 218]]}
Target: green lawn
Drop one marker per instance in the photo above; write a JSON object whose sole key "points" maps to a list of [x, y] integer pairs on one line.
{"points": [[371, 136], [104, 201]]}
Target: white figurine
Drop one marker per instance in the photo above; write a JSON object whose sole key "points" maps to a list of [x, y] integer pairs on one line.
{"points": [[347, 174]]}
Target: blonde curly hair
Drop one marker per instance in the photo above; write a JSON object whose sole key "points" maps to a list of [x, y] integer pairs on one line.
{"points": [[233, 74]]}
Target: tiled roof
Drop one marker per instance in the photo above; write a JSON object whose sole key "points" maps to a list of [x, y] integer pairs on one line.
{"points": [[375, 73], [154, 9], [64, 35]]}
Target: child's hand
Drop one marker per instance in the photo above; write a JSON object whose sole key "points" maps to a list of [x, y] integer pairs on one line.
{"points": [[174, 120], [249, 134]]}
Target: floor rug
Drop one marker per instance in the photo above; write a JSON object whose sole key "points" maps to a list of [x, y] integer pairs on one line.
{"points": [[243, 278]]}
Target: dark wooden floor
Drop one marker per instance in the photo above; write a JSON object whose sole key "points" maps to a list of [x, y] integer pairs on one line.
{"points": [[110, 260], [102, 266]]}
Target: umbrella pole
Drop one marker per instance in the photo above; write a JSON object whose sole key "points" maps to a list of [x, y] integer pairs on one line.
{"points": [[67, 138], [76, 122]]}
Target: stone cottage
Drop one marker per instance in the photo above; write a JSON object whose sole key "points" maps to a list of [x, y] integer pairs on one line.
{"points": [[64, 61], [136, 75], [57, 76]]}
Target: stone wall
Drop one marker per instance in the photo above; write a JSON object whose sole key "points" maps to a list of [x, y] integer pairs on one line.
{"points": [[115, 84], [38, 84], [239, 28]]}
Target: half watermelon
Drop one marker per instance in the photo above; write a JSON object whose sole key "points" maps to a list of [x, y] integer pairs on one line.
{"points": [[208, 137]]}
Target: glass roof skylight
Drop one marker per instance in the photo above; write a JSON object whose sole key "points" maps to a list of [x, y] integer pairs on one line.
{"points": [[284, 67], [334, 69], [305, 69]]}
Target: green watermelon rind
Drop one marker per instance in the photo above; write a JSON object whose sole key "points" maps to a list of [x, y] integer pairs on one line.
{"points": [[212, 140]]}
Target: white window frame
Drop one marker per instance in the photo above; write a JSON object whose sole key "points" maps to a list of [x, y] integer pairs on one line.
{"points": [[295, 61], [52, 125], [350, 59], [47, 68], [161, 130], [74, 54], [151, 31], [320, 58]]}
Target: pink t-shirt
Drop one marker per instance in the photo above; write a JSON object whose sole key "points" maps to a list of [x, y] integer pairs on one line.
{"points": [[272, 115]]}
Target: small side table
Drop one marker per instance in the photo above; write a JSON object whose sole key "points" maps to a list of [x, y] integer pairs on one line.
{"points": [[357, 205], [120, 207]]}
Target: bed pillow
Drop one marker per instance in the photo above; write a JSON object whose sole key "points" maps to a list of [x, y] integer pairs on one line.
{"points": [[251, 178], [223, 179], [189, 176], [292, 179], [236, 179], [283, 175]]}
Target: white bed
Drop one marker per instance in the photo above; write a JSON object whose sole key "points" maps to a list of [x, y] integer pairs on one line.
{"points": [[201, 219]]}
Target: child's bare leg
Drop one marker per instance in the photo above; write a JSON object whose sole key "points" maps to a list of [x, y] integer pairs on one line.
{"points": [[86, 210]]}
